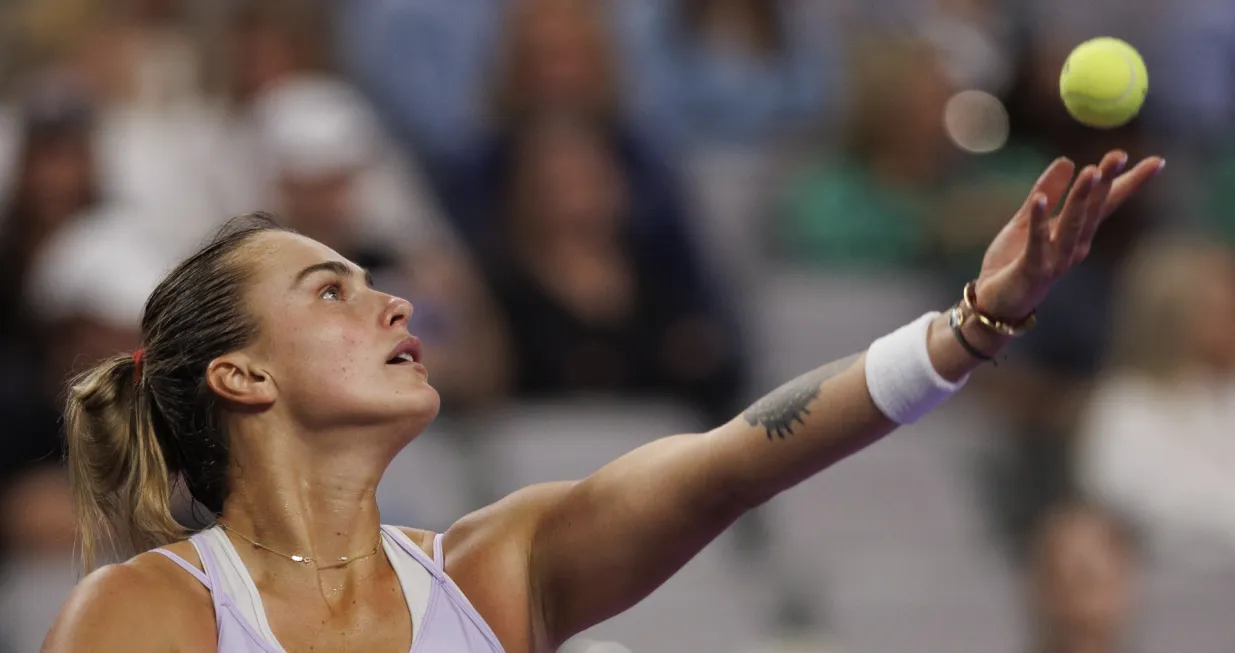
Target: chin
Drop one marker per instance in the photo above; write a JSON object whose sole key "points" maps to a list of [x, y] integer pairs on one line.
{"points": [[421, 407]]}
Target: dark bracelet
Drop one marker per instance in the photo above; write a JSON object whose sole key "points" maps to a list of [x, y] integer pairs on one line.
{"points": [[954, 321]]}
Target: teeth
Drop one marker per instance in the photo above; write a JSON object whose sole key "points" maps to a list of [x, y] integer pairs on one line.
{"points": [[405, 357]]}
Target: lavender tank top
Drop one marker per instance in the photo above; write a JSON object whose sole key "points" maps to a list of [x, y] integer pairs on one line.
{"points": [[450, 623]]}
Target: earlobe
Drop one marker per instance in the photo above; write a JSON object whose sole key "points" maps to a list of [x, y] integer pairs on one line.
{"points": [[235, 378]]}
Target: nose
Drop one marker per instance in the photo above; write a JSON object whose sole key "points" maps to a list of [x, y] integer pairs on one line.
{"points": [[397, 313]]}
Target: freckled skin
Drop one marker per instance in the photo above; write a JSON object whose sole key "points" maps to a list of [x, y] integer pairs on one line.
{"points": [[336, 370]]}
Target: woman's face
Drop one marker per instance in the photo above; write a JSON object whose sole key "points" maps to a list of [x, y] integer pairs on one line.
{"points": [[560, 54], [573, 185], [328, 342]]}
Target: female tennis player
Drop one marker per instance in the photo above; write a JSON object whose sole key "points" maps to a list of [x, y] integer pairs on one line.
{"points": [[279, 385]]}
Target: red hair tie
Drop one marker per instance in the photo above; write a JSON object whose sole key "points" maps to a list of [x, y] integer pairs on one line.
{"points": [[137, 365]]}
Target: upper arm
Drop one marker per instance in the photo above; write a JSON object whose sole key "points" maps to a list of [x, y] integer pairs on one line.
{"points": [[608, 541], [118, 608]]}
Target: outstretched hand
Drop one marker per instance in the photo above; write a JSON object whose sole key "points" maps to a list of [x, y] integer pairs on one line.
{"points": [[1035, 249]]}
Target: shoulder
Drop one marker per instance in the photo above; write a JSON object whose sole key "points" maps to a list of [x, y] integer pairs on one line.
{"points": [[519, 513], [138, 605], [498, 524], [421, 538], [488, 555]]}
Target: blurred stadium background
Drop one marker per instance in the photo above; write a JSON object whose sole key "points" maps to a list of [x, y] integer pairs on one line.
{"points": [[621, 219]]}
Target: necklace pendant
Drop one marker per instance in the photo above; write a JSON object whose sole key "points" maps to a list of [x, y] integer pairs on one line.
{"points": [[299, 559], [342, 558]]}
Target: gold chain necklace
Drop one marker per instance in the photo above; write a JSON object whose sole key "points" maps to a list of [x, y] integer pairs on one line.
{"points": [[343, 561]]}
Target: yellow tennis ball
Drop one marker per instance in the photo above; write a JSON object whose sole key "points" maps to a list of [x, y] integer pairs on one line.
{"points": [[1104, 83]]}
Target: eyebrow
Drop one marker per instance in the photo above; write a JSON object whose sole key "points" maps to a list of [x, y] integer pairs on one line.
{"points": [[337, 267]]}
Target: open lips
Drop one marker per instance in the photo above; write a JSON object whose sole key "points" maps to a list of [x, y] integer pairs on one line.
{"points": [[408, 351]]}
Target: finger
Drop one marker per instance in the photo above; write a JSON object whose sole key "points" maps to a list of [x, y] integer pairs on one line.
{"points": [[1110, 168], [1051, 184], [1072, 219], [1038, 244], [1113, 164], [1054, 181], [1127, 184]]}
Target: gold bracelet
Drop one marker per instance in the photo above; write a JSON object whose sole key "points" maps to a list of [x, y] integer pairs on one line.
{"points": [[969, 306]]}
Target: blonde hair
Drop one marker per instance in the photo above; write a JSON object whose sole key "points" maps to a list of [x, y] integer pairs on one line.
{"points": [[134, 424], [1157, 295], [120, 479]]}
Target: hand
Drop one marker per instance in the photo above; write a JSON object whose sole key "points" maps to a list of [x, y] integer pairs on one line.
{"points": [[1034, 250]]}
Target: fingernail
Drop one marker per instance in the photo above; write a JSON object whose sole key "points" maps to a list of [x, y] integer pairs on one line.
{"points": [[1093, 181], [1161, 165], [1040, 203], [1119, 165]]}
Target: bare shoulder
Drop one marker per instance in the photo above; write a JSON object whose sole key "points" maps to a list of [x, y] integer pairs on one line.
{"points": [[516, 514], [139, 605], [487, 554], [421, 538], [478, 531]]}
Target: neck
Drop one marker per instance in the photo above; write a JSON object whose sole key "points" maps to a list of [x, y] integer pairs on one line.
{"points": [[298, 501]]}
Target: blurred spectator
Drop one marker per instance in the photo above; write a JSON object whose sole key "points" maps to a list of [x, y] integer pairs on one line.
{"points": [[55, 181], [1218, 205], [289, 109], [55, 186], [426, 64], [558, 55], [731, 72], [1158, 439], [448, 75], [874, 204], [141, 63], [593, 307], [558, 60], [1084, 582]]}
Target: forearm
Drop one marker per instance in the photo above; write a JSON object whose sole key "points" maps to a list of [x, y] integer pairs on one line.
{"points": [[644, 515], [823, 416]]}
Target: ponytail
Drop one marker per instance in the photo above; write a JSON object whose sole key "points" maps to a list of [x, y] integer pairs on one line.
{"points": [[117, 468], [130, 433]]}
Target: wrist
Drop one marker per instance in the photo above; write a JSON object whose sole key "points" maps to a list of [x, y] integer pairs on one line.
{"points": [[983, 339], [1001, 320], [911, 371]]}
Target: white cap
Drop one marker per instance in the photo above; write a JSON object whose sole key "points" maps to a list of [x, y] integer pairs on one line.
{"points": [[99, 266], [312, 126]]}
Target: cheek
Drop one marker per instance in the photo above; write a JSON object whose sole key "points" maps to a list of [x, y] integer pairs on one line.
{"points": [[322, 352]]}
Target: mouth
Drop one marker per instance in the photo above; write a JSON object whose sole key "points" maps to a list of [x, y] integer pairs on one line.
{"points": [[406, 353]]}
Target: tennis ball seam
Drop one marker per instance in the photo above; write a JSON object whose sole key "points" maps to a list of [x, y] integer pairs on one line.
{"points": [[1128, 90]]}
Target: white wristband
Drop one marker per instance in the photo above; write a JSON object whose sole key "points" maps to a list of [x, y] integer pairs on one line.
{"points": [[900, 377]]}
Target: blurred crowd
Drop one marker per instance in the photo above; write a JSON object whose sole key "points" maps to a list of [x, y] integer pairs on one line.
{"points": [[585, 198]]}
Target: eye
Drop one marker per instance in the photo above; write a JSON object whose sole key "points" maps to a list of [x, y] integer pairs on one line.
{"points": [[333, 293]]}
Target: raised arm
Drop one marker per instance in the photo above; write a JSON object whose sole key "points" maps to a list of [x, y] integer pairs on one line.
{"points": [[598, 546]]}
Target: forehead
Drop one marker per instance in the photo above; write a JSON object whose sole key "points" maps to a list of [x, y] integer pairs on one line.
{"points": [[278, 256]]}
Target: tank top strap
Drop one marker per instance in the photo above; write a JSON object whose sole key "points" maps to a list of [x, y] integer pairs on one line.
{"points": [[439, 558], [415, 551], [185, 565], [210, 564]]}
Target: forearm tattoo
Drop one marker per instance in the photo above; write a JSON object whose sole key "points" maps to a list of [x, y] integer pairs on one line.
{"points": [[779, 410]]}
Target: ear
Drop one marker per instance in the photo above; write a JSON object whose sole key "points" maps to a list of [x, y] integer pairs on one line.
{"points": [[236, 377]]}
